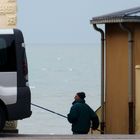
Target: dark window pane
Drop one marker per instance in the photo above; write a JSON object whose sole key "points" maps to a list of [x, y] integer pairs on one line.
{"points": [[7, 53]]}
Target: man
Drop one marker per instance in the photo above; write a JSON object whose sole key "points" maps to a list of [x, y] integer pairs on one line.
{"points": [[82, 116]]}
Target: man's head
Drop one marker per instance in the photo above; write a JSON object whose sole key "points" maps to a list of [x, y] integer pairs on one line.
{"points": [[79, 95]]}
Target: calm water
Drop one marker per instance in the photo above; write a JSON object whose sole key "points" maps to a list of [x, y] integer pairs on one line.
{"points": [[56, 73]]}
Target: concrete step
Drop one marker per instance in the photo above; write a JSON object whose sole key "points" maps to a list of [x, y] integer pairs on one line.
{"points": [[68, 137]]}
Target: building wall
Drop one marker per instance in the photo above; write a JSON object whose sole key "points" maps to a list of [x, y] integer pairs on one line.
{"points": [[137, 76], [116, 107], [116, 116], [137, 120], [137, 43], [7, 13]]}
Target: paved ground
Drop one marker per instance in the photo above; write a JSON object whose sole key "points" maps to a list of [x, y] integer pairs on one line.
{"points": [[67, 137]]}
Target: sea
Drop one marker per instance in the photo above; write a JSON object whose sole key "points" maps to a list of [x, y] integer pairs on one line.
{"points": [[56, 73]]}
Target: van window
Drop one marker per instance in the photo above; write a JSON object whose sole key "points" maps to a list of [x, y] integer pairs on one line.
{"points": [[7, 53]]}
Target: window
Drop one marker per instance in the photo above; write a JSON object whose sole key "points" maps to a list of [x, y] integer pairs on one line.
{"points": [[7, 53]]}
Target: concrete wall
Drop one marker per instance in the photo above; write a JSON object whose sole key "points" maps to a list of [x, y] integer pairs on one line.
{"points": [[8, 13]]}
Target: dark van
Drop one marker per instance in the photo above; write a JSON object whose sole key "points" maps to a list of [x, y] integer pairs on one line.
{"points": [[15, 95]]}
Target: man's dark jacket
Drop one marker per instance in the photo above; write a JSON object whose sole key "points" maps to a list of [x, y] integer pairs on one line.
{"points": [[82, 117]]}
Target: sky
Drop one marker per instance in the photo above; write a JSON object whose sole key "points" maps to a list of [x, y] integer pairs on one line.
{"points": [[64, 21]]}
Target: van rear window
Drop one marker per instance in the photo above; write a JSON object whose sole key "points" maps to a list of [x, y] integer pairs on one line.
{"points": [[7, 53]]}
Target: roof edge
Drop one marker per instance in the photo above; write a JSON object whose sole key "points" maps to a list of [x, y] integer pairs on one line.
{"points": [[129, 15]]}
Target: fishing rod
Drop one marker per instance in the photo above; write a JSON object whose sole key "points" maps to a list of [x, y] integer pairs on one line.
{"points": [[49, 110], [56, 113]]}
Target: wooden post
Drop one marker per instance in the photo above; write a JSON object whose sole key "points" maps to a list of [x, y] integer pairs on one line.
{"points": [[8, 18], [137, 123]]}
